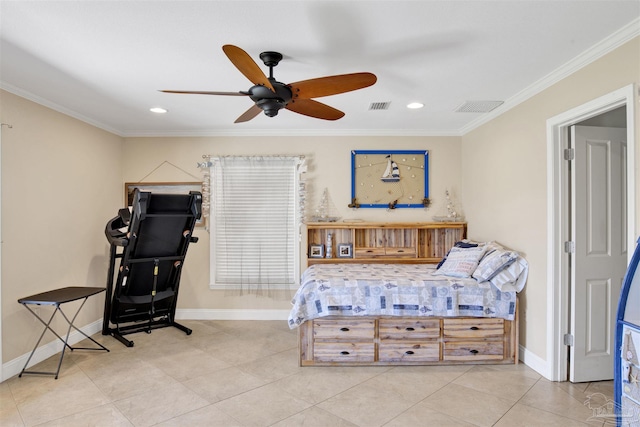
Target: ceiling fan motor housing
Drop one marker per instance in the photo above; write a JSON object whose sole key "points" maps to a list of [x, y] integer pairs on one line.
{"points": [[271, 102]]}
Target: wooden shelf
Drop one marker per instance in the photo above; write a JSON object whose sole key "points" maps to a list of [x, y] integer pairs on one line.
{"points": [[376, 242]]}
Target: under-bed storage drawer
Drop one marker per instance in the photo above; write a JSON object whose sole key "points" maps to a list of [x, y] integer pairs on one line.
{"points": [[473, 339], [402, 329], [343, 330], [473, 350], [344, 340], [401, 351], [344, 351], [473, 328]]}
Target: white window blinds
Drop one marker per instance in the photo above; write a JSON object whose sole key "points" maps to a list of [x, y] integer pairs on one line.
{"points": [[254, 230]]}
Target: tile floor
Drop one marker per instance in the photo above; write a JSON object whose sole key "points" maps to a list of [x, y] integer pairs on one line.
{"points": [[243, 373]]}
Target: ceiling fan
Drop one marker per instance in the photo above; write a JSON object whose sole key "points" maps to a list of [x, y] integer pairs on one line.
{"points": [[270, 95]]}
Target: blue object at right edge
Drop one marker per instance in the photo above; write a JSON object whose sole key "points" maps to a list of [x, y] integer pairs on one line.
{"points": [[620, 324]]}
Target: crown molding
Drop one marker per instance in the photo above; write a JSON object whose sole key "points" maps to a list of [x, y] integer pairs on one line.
{"points": [[597, 51], [56, 107]]}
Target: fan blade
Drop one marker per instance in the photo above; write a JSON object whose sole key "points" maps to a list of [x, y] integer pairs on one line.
{"points": [[247, 66], [249, 114], [202, 92], [331, 85], [311, 108]]}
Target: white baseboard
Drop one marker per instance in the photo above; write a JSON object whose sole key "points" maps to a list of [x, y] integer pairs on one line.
{"points": [[14, 367], [535, 362], [230, 314]]}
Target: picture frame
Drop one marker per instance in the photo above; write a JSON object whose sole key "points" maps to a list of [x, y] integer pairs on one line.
{"points": [[164, 188], [389, 179], [345, 250], [159, 187], [316, 251]]}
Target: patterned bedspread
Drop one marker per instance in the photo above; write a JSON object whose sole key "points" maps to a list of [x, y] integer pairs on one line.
{"points": [[394, 290]]}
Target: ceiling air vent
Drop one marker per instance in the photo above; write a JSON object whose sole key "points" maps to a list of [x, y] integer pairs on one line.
{"points": [[478, 106], [379, 105]]}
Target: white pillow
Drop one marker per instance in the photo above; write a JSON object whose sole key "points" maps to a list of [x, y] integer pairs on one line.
{"points": [[513, 277], [496, 259], [461, 262], [459, 244]]}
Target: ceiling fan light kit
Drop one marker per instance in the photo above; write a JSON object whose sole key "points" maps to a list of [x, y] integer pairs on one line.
{"points": [[270, 95]]}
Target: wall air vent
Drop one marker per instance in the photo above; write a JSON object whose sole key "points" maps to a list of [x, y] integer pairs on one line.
{"points": [[478, 106], [379, 105]]}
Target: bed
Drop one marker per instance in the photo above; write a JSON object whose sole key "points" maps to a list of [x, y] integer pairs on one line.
{"points": [[462, 311]]}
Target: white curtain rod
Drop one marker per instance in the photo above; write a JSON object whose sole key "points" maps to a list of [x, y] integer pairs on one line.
{"points": [[207, 157]]}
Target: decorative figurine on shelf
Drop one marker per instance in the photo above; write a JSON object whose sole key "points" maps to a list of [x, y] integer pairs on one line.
{"points": [[451, 212], [329, 246], [451, 215], [326, 211]]}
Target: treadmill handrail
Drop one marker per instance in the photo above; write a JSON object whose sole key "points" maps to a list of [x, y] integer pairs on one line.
{"points": [[152, 259], [113, 233]]}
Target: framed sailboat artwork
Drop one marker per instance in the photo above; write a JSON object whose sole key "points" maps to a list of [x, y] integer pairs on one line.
{"points": [[389, 179]]}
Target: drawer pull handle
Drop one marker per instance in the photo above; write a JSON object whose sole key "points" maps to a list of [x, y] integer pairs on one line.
{"points": [[400, 251], [408, 352], [410, 329], [344, 353], [369, 251], [474, 328], [473, 351], [344, 329]]}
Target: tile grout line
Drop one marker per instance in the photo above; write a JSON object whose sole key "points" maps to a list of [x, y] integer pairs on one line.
{"points": [[518, 401]]}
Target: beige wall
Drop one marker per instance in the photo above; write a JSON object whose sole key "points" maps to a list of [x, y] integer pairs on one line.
{"points": [[61, 181], [504, 179], [329, 160]]}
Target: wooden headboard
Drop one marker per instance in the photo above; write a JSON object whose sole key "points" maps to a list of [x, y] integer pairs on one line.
{"points": [[371, 242]]}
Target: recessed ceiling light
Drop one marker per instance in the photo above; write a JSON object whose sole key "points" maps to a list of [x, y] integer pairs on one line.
{"points": [[415, 105], [157, 110]]}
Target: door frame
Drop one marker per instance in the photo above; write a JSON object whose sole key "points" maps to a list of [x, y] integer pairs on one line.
{"points": [[558, 230]]}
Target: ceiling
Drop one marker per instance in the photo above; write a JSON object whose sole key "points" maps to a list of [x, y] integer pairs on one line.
{"points": [[104, 62]]}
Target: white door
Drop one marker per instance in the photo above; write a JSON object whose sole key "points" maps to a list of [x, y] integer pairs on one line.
{"points": [[600, 261]]}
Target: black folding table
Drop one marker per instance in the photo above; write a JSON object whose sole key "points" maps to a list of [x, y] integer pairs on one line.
{"points": [[57, 297]]}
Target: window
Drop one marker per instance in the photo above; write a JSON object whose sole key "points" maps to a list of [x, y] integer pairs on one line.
{"points": [[255, 222]]}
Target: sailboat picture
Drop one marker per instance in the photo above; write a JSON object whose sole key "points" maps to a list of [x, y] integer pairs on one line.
{"points": [[389, 179], [391, 173]]}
